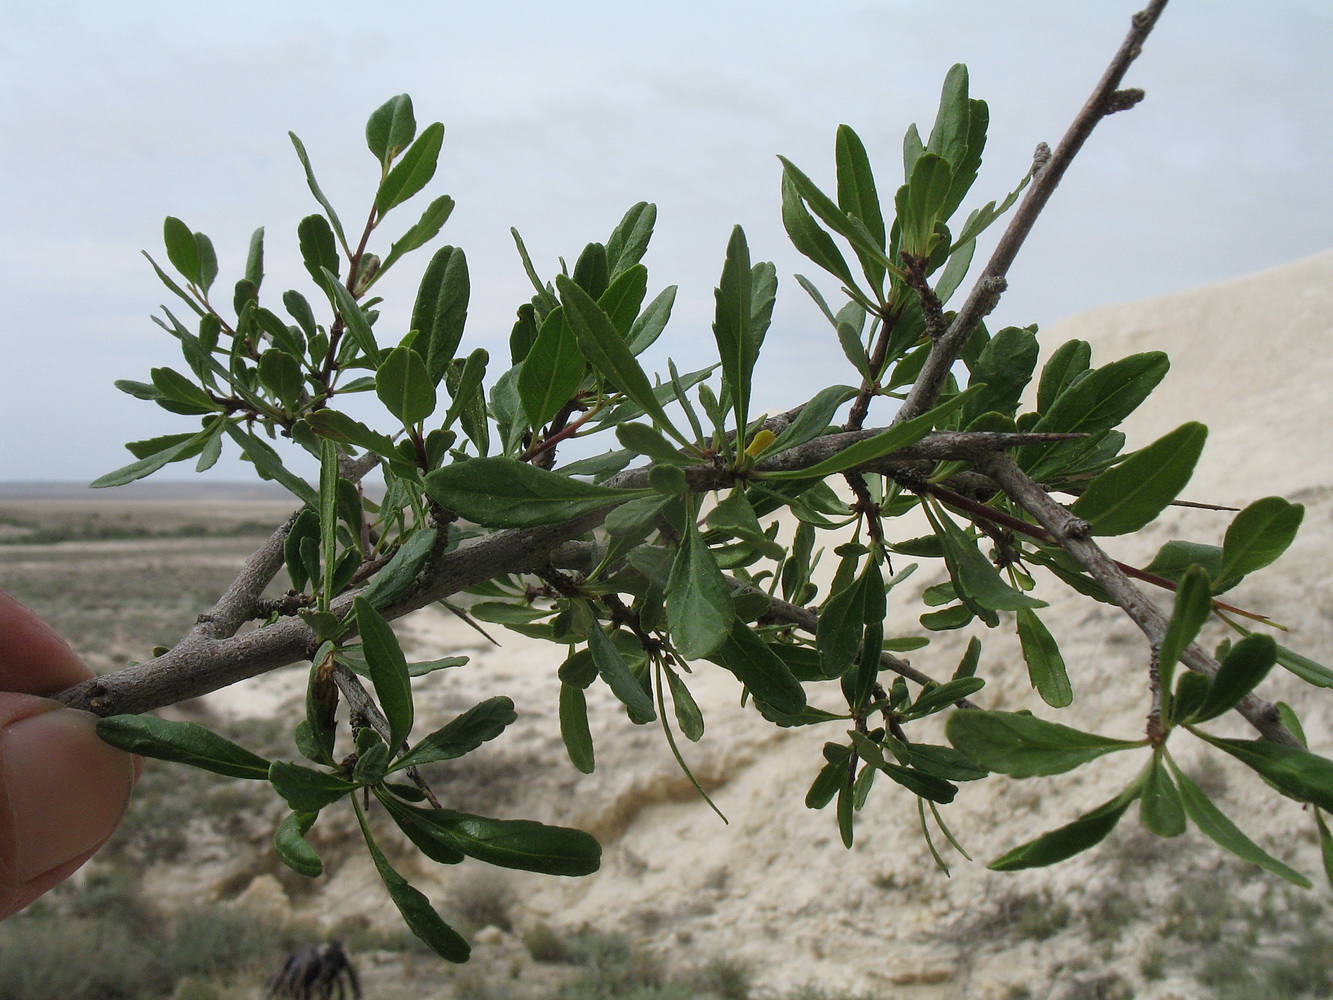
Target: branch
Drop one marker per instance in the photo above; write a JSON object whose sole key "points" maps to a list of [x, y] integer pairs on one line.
{"points": [[1072, 534], [213, 656], [1106, 99]]}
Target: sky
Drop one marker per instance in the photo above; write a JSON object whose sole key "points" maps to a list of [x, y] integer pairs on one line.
{"points": [[559, 116]]}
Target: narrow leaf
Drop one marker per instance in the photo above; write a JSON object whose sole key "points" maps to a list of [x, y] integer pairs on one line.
{"points": [[607, 350], [479, 724], [506, 493], [1087, 831], [1046, 667], [415, 908], [1208, 818], [413, 172], [613, 669], [182, 742], [305, 789], [1023, 746], [574, 729], [1128, 496], [699, 611], [388, 670]]}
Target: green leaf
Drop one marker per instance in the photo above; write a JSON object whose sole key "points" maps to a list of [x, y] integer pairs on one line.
{"points": [[305, 789], [651, 322], [420, 232], [1295, 772], [688, 716], [1128, 496], [1194, 603], [1005, 366], [394, 579], [390, 128], [413, 171], [649, 442], [699, 612], [270, 466], [185, 446], [479, 724], [1160, 806], [629, 240], [208, 262], [415, 908], [319, 197], [1091, 405], [388, 670], [574, 729], [282, 374], [506, 493], [808, 237], [440, 311], [733, 330], [293, 849], [1070, 360], [463, 381], [173, 385], [1305, 668], [623, 684], [1244, 667], [854, 231], [841, 625], [1258, 535], [858, 197], [182, 249], [974, 576], [1325, 845], [353, 316], [926, 785], [319, 252], [1023, 746], [814, 418], [1087, 831], [404, 387], [339, 426], [609, 354], [1046, 667], [934, 698], [761, 670], [553, 370], [878, 445], [182, 742], [510, 843], [1212, 822]]}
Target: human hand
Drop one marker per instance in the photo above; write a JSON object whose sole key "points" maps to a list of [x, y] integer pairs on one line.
{"points": [[62, 790]]}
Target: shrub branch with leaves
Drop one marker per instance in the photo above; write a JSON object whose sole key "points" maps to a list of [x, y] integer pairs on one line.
{"points": [[661, 552]]}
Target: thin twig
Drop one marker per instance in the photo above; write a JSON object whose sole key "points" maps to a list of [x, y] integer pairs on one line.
{"points": [[1105, 100], [212, 656]]}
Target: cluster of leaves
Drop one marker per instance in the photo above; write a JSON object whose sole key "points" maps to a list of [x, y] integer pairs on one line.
{"points": [[663, 577]]}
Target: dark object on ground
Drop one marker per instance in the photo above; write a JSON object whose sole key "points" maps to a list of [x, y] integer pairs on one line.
{"points": [[315, 973]]}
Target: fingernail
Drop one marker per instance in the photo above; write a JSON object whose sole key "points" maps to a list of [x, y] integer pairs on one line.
{"points": [[63, 792]]}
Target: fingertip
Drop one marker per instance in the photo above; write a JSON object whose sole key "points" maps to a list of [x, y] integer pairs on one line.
{"points": [[34, 659]]}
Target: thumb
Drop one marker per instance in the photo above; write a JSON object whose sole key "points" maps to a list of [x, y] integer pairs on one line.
{"points": [[62, 792]]}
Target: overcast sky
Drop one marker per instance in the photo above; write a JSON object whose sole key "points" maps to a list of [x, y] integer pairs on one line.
{"points": [[559, 116]]}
